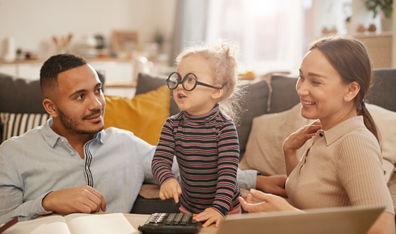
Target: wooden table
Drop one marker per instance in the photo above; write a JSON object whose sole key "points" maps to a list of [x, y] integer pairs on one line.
{"points": [[136, 219], [139, 219]]}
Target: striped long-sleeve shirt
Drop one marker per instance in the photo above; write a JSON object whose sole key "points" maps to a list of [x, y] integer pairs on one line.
{"points": [[207, 151]]}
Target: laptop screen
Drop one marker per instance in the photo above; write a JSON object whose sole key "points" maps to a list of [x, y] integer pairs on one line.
{"points": [[343, 220]]}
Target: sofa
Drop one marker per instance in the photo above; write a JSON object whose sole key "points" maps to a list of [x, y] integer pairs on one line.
{"points": [[266, 100]]}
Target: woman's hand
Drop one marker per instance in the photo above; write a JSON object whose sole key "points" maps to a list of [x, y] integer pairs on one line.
{"points": [[170, 189], [295, 141], [298, 138], [270, 203]]}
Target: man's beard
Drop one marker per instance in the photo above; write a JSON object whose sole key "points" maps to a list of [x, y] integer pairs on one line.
{"points": [[70, 125]]}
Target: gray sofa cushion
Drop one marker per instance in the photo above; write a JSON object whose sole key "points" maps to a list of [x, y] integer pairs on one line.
{"points": [[382, 92], [254, 104], [284, 95], [146, 83], [20, 95]]}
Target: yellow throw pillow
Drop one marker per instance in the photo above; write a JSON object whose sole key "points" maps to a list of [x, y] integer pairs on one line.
{"points": [[144, 114]]}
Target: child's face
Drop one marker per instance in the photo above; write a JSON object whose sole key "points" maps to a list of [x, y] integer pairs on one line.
{"points": [[202, 99]]}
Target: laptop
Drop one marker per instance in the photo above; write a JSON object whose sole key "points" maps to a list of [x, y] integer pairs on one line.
{"points": [[343, 220]]}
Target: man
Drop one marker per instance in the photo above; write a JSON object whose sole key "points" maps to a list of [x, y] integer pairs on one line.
{"points": [[71, 164]]}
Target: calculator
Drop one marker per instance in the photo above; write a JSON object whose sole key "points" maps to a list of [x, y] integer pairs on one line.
{"points": [[170, 223]]}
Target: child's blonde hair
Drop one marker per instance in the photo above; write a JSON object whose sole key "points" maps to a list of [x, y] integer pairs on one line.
{"points": [[222, 57]]}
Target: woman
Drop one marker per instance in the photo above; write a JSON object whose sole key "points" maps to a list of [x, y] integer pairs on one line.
{"points": [[343, 167]]}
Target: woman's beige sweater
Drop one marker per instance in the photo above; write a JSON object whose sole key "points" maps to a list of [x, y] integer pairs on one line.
{"points": [[343, 167]]}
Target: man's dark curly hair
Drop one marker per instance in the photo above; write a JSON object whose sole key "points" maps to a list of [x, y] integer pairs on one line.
{"points": [[57, 64]]}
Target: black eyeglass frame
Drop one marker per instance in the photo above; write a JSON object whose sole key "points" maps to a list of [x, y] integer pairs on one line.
{"points": [[185, 78]]}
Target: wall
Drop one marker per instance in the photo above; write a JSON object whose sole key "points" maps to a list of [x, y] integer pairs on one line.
{"points": [[33, 23]]}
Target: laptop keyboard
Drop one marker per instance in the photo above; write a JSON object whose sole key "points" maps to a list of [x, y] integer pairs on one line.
{"points": [[170, 223]]}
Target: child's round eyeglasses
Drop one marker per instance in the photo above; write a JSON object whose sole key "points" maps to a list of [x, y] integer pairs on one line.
{"points": [[189, 82]]}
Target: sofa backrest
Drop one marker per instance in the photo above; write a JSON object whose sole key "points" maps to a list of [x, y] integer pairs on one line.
{"points": [[280, 95], [21, 95], [147, 82], [383, 93], [284, 95]]}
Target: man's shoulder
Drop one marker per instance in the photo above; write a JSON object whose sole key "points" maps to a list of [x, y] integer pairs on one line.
{"points": [[29, 136], [22, 144], [117, 131], [118, 135]]}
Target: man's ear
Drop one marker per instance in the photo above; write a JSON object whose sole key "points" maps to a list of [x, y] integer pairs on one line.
{"points": [[217, 93], [352, 90], [50, 107]]}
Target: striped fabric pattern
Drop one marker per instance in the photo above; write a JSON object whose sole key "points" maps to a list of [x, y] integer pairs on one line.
{"points": [[16, 124], [88, 161], [207, 152]]}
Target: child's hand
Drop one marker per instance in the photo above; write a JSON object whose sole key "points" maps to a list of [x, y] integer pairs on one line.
{"points": [[211, 215], [169, 189]]}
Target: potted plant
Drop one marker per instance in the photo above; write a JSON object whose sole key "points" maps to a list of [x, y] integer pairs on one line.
{"points": [[385, 8], [159, 38]]}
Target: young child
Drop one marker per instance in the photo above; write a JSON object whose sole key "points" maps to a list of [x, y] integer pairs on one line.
{"points": [[203, 138]]}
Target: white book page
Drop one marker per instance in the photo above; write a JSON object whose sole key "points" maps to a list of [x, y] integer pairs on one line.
{"points": [[45, 225], [99, 224]]}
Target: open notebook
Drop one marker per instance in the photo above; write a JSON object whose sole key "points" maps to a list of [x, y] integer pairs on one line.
{"points": [[345, 220], [74, 224]]}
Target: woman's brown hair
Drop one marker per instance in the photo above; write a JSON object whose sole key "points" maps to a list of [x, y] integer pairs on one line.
{"points": [[349, 57]]}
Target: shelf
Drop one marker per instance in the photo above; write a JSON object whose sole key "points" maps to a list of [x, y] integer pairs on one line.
{"points": [[372, 34], [120, 84], [41, 61]]}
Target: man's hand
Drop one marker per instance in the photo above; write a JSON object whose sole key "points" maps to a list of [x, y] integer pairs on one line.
{"points": [[269, 203], [170, 189], [82, 199], [272, 184], [211, 215]]}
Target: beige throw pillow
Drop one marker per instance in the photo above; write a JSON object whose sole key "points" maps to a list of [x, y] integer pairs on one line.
{"points": [[386, 123], [264, 148]]}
